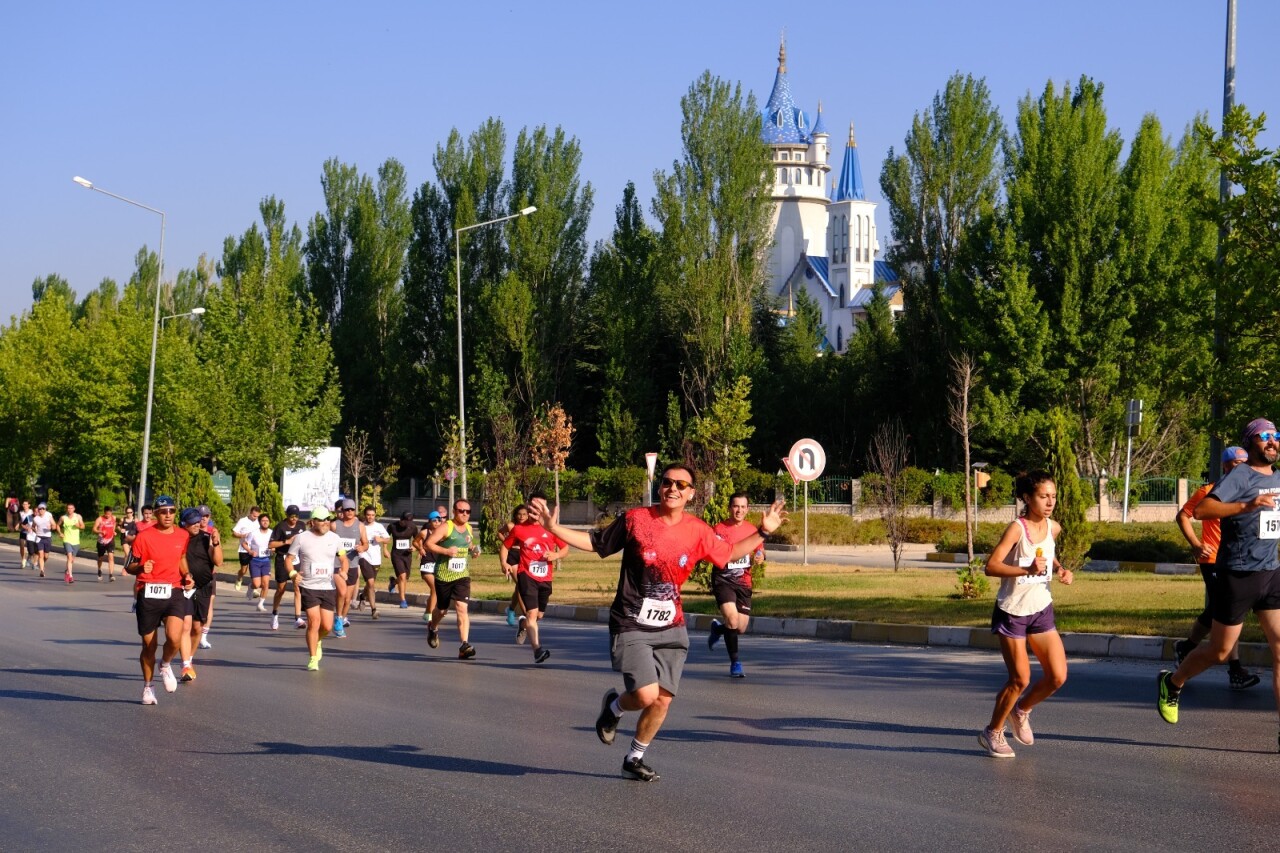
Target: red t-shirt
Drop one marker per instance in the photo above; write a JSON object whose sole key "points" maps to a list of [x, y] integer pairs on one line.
{"points": [[165, 550], [535, 541], [738, 571], [657, 558]]}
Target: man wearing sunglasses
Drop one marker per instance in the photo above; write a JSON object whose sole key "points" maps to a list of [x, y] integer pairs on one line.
{"points": [[1244, 502], [452, 544], [159, 560], [660, 547]]}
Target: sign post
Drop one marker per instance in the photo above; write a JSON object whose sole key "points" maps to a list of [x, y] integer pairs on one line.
{"points": [[806, 461], [1133, 420], [650, 464]]}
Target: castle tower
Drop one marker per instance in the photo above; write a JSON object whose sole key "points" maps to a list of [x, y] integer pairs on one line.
{"points": [[852, 245]]}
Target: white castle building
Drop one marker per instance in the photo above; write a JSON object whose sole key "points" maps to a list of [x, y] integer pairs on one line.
{"points": [[824, 229]]}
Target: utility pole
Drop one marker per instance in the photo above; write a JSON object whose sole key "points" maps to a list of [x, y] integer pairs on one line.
{"points": [[1224, 193]]}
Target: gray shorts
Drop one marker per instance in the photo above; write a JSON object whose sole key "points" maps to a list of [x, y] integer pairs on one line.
{"points": [[645, 657]]}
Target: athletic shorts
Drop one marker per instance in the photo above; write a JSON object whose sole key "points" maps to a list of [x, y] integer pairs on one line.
{"points": [[282, 573], [260, 567], [368, 570], [728, 592], [325, 599], [401, 564], [353, 571], [645, 657], [426, 567], [534, 593], [448, 592], [201, 601], [41, 544], [244, 556], [153, 611], [106, 548], [1236, 593], [1020, 627], [73, 550]]}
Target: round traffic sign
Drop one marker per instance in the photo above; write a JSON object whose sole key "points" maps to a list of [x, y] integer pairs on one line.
{"points": [[807, 459]]}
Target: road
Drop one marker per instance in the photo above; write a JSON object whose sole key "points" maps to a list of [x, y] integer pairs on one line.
{"points": [[397, 746]]}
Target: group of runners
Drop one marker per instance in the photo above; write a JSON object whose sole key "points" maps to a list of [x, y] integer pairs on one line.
{"points": [[37, 527]]}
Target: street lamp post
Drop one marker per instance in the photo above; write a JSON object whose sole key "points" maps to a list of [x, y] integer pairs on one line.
{"points": [[457, 263], [155, 330], [194, 312]]}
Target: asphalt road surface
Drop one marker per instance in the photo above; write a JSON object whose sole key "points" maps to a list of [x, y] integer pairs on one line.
{"points": [[396, 746]]}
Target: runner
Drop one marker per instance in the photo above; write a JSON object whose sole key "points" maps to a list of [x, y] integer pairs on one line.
{"points": [[159, 560], [452, 544], [104, 527], [207, 526], [204, 556], [537, 551], [660, 547], [403, 534], [69, 527], [42, 526], [258, 544], [281, 540], [509, 559], [1024, 561], [377, 538], [427, 569], [351, 532], [27, 536], [11, 512], [311, 561], [731, 584], [243, 528], [1244, 502], [1206, 550]]}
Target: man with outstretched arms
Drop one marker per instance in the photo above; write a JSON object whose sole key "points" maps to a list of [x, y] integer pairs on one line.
{"points": [[316, 559], [204, 556], [243, 528], [354, 544], [731, 583], [104, 527], [1245, 503], [427, 569], [371, 560], [69, 527], [660, 547], [452, 544], [538, 551], [159, 560], [281, 540], [403, 533]]}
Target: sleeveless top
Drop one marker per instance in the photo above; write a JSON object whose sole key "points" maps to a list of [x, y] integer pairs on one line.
{"points": [[454, 568], [1027, 594]]}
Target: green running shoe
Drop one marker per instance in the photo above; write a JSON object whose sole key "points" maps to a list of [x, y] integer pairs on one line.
{"points": [[1167, 697]]}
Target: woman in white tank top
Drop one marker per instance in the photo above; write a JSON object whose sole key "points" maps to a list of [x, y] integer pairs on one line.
{"points": [[1025, 561]]}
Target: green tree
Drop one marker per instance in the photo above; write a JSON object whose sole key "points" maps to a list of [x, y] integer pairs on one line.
{"points": [[54, 286], [243, 495], [1073, 504], [268, 494]]}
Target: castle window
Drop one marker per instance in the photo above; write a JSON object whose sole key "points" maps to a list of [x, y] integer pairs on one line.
{"points": [[798, 176], [839, 337], [808, 174], [843, 304], [786, 155], [800, 156]]}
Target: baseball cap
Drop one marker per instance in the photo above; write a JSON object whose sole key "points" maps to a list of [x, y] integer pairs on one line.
{"points": [[433, 516], [1234, 454], [1254, 427], [191, 515], [348, 504], [320, 513], [291, 509], [42, 505], [165, 502], [204, 511], [406, 516]]}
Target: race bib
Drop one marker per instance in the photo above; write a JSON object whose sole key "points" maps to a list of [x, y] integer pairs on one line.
{"points": [[1269, 524], [657, 614], [403, 544], [457, 564], [315, 571], [742, 563], [348, 544], [1026, 563], [539, 569], [157, 590]]}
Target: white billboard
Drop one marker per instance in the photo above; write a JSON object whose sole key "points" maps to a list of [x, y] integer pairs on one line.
{"points": [[315, 485]]}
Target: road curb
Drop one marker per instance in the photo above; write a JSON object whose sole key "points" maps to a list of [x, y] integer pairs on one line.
{"points": [[1091, 566]]}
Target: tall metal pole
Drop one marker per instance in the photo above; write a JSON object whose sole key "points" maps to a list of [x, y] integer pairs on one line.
{"points": [[1224, 194]]}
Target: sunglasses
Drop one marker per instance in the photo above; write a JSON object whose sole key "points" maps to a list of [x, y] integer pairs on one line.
{"points": [[667, 483], [1269, 436], [169, 511], [463, 511]]}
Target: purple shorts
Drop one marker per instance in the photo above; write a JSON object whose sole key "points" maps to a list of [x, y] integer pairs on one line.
{"points": [[1018, 627]]}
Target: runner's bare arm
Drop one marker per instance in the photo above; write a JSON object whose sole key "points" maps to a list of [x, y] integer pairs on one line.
{"points": [[550, 519], [774, 516], [1214, 508]]}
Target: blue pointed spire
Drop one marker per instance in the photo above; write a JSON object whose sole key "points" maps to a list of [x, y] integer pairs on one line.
{"points": [[851, 187], [782, 121], [819, 126]]}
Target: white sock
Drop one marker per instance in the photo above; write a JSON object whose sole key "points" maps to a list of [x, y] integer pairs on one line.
{"points": [[615, 708], [637, 749]]}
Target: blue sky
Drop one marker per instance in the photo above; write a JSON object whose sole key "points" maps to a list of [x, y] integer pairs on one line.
{"points": [[201, 109]]}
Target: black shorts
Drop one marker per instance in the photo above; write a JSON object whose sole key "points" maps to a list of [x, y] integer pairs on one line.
{"points": [[201, 601], [400, 563], [353, 571], [245, 557], [448, 592], [534, 593], [153, 611], [728, 592], [1236, 593], [325, 599], [105, 548], [368, 570], [282, 573]]}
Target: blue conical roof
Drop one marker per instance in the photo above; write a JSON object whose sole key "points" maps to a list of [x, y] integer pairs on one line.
{"points": [[782, 121], [850, 187], [819, 126]]}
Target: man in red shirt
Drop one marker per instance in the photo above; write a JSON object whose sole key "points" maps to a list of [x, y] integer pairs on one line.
{"points": [[731, 583], [660, 547], [538, 551], [159, 560]]}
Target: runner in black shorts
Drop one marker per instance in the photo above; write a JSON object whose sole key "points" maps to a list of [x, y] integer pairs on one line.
{"points": [[204, 556], [281, 540], [315, 558], [731, 584], [1245, 502], [159, 561], [403, 534]]}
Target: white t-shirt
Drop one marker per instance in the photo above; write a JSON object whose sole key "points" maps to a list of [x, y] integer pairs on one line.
{"points": [[261, 540], [374, 532], [315, 558], [42, 524], [243, 528]]}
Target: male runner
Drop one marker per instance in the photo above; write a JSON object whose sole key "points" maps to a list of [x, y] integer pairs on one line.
{"points": [[26, 536], [377, 538], [427, 569], [69, 527], [281, 540], [243, 528], [311, 561], [402, 533], [452, 544], [42, 526], [1244, 502], [207, 526], [538, 551], [159, 559], [509, 560], [354, 544], [1206, 550], [204, 556], [660, 547], [731, 584], [104, 527]]}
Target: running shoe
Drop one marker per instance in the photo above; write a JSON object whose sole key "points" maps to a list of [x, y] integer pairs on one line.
{"points": [[607, 722], [204, 642], [1242, 679], [346, 623], [426, 616], [313, 665], [522, 633], [541, 655], [300, 622], [995, 744], [433, 639], [262, 605], [466, 651], [1181, 649], [511, 618], [714, 637], [239, 585], [1167, 697], [735, 670], [391, 585], [319, 649], [111, 578], [170, 680], [188, 674], [148, 696], [248, 593], [1020, 726], [67, 578], [373, 613], [635, 768], [404, 605], [99, 575], [339, 631], [275, 621]]}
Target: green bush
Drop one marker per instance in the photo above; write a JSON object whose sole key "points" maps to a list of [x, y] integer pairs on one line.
{"points": [[615, 485], [971, 580], [999, 490], [949, 488], [985, 536]]}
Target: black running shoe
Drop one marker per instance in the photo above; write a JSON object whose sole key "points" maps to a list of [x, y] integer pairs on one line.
{"points": [[635, 768], [466, 651], [433, 639], [1242, 679], [714, 636], [607, 723], [541, 655]]}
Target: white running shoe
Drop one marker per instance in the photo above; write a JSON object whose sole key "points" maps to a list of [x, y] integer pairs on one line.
{"points": [[148, 696], [204, 642], [262, 605], [170, 680], [1020, 726], [299, 622], [275, 622]]}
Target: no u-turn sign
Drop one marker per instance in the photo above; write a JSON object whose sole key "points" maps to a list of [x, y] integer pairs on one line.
{"points": [[806, 460]]}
